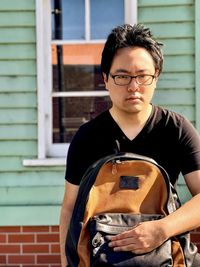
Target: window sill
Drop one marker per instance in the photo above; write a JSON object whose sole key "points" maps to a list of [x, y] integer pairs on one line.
{"points": [[44, 162]]}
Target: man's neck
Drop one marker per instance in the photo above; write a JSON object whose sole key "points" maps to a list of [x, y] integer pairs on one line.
{"points": [[131, 123]]}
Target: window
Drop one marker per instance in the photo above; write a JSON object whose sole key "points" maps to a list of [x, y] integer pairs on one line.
{"points": [[85, 19], [70, 38]]}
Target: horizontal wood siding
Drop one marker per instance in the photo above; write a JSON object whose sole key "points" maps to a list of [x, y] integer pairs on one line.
{"points": [[29, 215], [28, 194], [164, 3], [19, 5], [33, 177], [173, 23], [18, 92]]}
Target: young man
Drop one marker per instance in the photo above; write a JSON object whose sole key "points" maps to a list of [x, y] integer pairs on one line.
{"points": [[131, 64]]}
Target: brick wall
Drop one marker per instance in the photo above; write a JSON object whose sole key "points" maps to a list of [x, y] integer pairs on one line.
{"points": [[195, 237], [28, 246], [38, 246]]}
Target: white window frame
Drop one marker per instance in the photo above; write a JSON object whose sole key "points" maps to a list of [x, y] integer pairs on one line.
{"points": [[49, 153]]}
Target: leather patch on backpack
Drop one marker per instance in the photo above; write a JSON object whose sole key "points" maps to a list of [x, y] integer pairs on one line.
{"points": [[129, 182]]}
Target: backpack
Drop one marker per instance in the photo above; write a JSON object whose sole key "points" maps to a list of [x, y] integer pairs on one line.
{"points": [[116, 193]]}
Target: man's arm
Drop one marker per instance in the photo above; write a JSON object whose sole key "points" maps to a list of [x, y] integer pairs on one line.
{"points": [[187, 217], [65, 216], [149, 235]]}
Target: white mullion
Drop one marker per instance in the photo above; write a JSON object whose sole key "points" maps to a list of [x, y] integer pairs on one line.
{"points": [[75, 42], [87, 20], [130, 11], [40, 79], [48, 77], [80, 94]]}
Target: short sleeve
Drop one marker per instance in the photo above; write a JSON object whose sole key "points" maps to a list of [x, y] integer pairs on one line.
{"points": [[76, 159], [190, 147]]}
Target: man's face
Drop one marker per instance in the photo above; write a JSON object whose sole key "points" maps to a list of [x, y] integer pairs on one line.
{"points": [[131, 98]]}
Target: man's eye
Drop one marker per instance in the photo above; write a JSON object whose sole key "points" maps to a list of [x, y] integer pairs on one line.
{"points": [[124, 77], [142, 76]]}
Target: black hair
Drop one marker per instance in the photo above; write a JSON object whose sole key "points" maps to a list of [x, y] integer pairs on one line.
{"points": [[131, 36]]}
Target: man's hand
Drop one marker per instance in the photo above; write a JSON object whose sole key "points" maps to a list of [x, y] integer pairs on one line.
{"points": [[141, 239]]}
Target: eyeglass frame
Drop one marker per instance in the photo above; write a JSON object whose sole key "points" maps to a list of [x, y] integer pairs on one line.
{"points": [[133, 77]]}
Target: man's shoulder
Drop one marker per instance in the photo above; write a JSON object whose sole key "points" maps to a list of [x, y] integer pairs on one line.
{"points": [[94, 127], [97, 122], [166, 115]]}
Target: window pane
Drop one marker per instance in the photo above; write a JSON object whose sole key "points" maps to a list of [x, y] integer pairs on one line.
{"points": [[71, 112], [77, 67], [71, 19], [105, 15]]}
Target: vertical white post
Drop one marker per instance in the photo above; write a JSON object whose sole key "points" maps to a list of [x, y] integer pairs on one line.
{"points": [[131, 11], [87, 20]]}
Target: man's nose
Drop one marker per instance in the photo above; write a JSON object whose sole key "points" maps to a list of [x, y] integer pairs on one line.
{"points": [[133, 85]]}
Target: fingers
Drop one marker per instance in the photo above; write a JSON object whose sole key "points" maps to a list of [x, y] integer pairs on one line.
{"points": [[125, 237], [141, 239], [128, 245], [132, 240], [125, 242], [133, 247], [121, 243]]}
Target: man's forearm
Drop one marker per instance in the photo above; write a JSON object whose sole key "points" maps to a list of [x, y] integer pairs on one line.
{"points": [[69, 199], [186, 218], [64, 225]]}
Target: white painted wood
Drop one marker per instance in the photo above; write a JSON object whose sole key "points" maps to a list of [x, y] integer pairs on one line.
{"points": [[44, 162], [80, 94], [40, 78], [87, 20], [131, 11]]}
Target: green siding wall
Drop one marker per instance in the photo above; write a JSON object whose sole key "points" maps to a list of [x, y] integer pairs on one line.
{"points": [[28, 195], [32, 195], [173, 23]]}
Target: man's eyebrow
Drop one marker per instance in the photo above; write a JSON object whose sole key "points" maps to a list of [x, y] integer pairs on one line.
{"points": [[121, 70], [128, 72]]}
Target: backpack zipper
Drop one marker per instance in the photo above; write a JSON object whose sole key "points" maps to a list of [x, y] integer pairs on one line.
{"points": [[115, 162]]}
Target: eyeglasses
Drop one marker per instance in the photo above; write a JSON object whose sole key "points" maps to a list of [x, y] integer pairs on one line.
{"points": [[143, 79]]}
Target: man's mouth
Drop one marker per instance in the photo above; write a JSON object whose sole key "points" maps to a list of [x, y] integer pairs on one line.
{"points": [[133, 97]]}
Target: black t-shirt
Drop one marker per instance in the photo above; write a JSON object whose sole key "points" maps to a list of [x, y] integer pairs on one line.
{"points": [[167, 137]]}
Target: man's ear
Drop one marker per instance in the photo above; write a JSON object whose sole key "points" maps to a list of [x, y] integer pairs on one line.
{"points": [[105, 78], [157, 74]]}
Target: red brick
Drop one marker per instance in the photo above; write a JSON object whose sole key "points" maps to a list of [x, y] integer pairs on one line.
{"points": [[198, 247], [48, 259], [2, 238], [195, 238], [21, 238], [10, 229], [35, 229], [9, 249], [55, 248], [48, 238], [55, 228], [35, 248], [35, 265], [2, 259], [21, 259]]}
